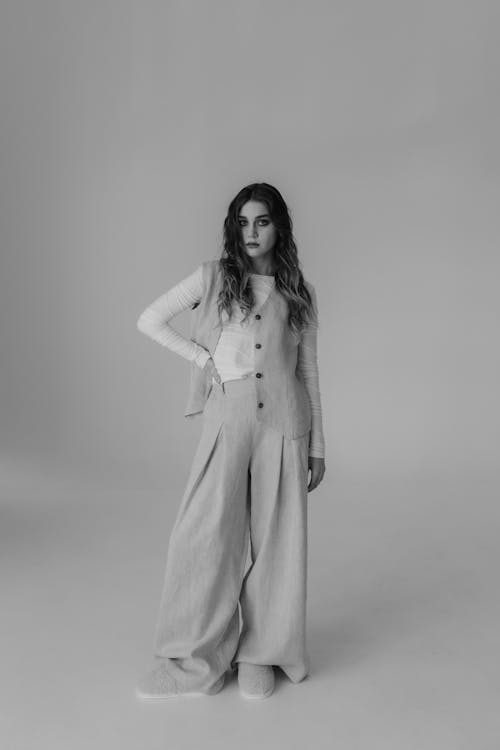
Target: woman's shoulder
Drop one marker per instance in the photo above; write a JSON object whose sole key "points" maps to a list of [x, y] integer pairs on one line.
{"points": [[212, 263], [312, 293], [309, 286], [210, 267], [208, 272]]}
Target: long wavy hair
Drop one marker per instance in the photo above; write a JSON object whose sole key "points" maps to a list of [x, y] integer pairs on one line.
{"points": [[236, 265]]}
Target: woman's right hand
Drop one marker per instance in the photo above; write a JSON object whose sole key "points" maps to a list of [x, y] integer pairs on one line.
{"points": [[211, 370]]}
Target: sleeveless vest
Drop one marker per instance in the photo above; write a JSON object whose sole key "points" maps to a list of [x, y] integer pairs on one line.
{"points": [[281, 398]]}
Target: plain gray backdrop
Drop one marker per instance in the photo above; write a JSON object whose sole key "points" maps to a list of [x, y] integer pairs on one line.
{"points": [[126, 129]]}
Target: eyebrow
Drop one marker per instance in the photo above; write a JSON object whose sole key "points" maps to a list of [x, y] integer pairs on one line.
{"points": [[262, 216]]}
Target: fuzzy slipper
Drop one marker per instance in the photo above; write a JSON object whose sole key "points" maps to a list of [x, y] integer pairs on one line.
{"points": [[255, 680], [158, 684]]}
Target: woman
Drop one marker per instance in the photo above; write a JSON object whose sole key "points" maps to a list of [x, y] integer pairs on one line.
{"points": [[254, 376]]}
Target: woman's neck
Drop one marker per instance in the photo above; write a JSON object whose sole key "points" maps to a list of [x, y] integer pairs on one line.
{"points": [[262, 266]]}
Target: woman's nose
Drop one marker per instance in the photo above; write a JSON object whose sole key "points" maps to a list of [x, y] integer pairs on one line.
{"points": [[253, 231]]}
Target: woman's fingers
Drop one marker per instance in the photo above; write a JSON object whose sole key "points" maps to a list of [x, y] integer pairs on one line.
{"points": [[215, 373], [212, 370], [317, 468]]}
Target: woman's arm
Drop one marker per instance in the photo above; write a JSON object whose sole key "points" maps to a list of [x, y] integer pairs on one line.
{"points": [[308, 367], [154, 321]]}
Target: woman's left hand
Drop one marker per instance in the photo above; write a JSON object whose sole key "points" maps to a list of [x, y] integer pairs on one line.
{"points": [[317, 468]]}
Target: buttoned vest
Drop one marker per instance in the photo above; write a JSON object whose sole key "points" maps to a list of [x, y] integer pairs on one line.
{"points": [[281, 399]]}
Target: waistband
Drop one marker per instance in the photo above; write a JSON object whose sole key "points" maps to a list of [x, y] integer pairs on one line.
{"points": [[236, 387]]}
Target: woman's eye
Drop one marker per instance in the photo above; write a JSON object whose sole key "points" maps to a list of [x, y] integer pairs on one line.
{"points": [[262, 222]]}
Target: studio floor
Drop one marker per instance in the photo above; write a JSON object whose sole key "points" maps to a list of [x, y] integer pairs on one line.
{"points": [[403, 622]]}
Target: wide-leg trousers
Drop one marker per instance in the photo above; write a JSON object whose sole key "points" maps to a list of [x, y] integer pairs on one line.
{"points": [[246, 492]]}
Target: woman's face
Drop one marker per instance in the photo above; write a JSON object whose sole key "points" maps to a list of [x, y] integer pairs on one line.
{"points": [[258, 232]]}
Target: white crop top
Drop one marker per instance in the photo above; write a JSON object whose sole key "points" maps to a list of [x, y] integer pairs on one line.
{"points": [[233, 356]]}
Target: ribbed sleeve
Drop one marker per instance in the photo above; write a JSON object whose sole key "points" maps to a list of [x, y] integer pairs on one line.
{"points": [[155, 320], [308, 368]]}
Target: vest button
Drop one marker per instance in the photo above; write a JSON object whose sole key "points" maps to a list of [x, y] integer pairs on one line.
{"points": [[258, 346], [260, 404], [257, 317], [258, 374]]}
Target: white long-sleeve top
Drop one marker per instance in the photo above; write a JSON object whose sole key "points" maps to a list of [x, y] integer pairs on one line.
{"points": [[234, 353]]}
